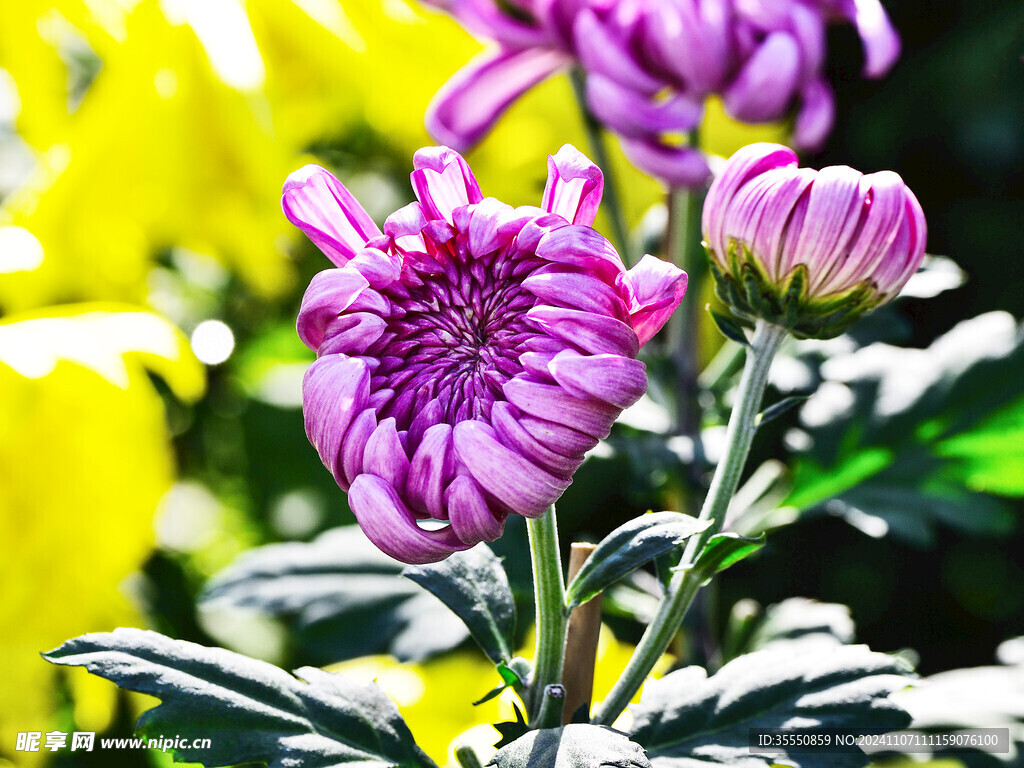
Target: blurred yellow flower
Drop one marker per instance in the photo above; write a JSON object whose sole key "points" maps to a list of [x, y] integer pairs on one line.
{"points": [[84, 460]]}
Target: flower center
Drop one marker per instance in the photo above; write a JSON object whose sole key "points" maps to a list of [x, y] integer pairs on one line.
{"points": [[457, 337]]}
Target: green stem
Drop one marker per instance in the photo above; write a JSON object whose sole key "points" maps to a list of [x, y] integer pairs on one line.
{"points": [[595, 137], [552, 621], [683, 247], [686, 581]]}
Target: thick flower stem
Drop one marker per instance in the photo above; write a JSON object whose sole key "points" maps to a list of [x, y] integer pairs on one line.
{"points": [[686, 581], [612, 203], [683, 246], [549, 595]]}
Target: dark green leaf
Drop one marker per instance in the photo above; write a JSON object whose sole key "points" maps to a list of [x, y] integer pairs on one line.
{"points": [[251, 711], [729, 328], [775, 410], [572, 746], [724, 550], [474, 586], [627, 548], [512, 729], [689, 720], [341, 596], [904, 440]]}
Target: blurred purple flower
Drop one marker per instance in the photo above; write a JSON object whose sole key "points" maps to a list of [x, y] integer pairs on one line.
{"points": [[469, 355], [650, 65], [809, 250]]}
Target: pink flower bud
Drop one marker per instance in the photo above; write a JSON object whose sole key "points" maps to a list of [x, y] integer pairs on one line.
{"points": [[809, 250]]}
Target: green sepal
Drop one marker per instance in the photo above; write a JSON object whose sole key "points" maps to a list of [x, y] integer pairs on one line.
{"points": [[729, 328], [742, 283], [513, 675]]}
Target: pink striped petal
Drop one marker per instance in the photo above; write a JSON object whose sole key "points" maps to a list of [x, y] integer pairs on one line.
{"points": [[443, 182], [574, 186], [657, 287], [319, 205]]}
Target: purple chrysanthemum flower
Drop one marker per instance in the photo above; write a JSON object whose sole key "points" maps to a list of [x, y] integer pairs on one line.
{"points": [[472, 353], [650, 65], [809, 250]]}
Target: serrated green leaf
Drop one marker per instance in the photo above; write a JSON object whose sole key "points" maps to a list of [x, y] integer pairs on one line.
{"points": [[572, 746], [689, 720], [473, 584], [627, 548], [775, 410], [724, 550], [729, 328], [251, 711], [324, 589]]}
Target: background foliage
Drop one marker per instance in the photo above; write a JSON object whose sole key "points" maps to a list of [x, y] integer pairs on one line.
{"points": [[142, 149]]}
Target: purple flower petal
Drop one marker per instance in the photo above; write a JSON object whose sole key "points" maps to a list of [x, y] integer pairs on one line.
{"points": [[329, 293], [601, 51], [581, 247], [319, 205], [469, 104], [676, 166], [385, 456], [432, 468], [574, 186], [576, 291], [692, 41], [816, 115], [657, 287], [392, 527], [352, 333], [334, 390], [881, 43], [618, 381], [552, 403], [636, 115], [354, 448], [765, 87], [558, 437], [471, 517], [443, 182], [510, 478], [590, 332], [513, 434]]}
